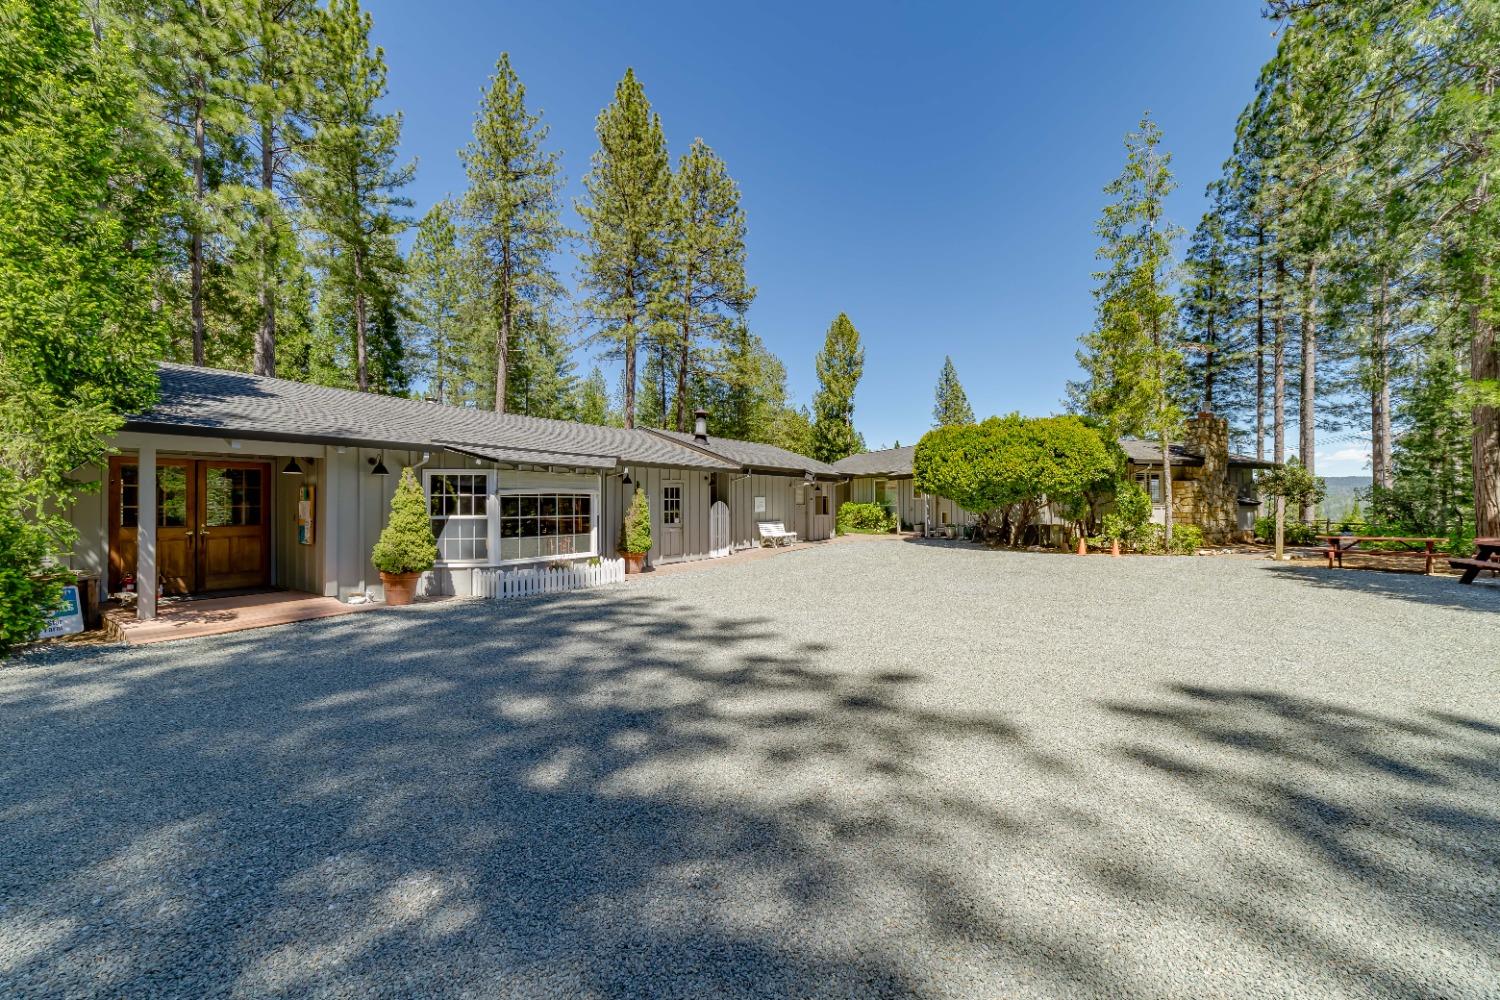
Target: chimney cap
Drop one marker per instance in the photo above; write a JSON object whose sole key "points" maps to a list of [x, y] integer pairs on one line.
{"points": [[700, 425]]}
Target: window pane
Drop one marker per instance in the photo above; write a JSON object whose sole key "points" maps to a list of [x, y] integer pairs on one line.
{"points": [[528, 506], [582, 504], [510, 506]]}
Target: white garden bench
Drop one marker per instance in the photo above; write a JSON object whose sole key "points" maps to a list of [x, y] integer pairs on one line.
{"points": [[774, 533]]}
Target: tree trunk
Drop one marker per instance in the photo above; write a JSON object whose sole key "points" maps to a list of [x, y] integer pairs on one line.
{"points": [[196, 251], [1278, 369], [361, 353], [265, 337], [1380, 392], [1307, 408], [1166, 491], [684, 352], [502, 335], [1260, 348], [1208, 369], [1484, 364], [629, 349]]}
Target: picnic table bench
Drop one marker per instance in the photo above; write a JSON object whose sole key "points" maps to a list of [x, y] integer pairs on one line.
{"points": [[1486, 557], [1340, 544]]}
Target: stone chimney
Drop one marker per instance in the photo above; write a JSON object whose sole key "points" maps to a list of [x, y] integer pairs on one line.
{"points": [[700, 426], [1218, 505]]}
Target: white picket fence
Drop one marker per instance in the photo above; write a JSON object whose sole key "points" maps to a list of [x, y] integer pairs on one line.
{"points": [[498, 584]]}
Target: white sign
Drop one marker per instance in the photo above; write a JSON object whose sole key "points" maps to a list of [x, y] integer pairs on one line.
{"points": [[67, 619], [760, 505]]}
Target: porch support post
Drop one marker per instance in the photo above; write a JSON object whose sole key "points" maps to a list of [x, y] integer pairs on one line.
{"points": [[329, 502], [145, 535]]}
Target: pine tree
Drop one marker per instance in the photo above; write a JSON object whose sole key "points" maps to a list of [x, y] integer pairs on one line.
{"points": [[952, 405], [511, 215], [190, 54], [436, 338], [628, 190], [1212, 319], [703, 287], [591, 404], [276, 93], [352, 177], [839, 365], [1131, 361], [542, 382]]}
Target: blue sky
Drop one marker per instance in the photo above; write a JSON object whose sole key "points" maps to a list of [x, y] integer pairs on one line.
{"points": [[932, 170]]}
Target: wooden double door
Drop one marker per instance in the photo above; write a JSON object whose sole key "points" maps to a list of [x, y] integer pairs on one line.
{"points": [[213, 523]]}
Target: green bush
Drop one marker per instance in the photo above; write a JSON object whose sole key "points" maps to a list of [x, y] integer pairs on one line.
{"points": [[1295, 532], [635, 533], [865, 519], [406, 545], [28, 587], [1132, 511]]}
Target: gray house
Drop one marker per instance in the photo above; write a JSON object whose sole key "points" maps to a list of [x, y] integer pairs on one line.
{"points": [[238, 481], [886, 477]]}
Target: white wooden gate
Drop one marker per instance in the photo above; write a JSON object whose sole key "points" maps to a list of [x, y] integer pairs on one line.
{"points": [[718, 530]]}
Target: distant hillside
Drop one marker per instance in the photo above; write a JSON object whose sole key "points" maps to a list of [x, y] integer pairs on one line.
{"points": [[1341, 495]]}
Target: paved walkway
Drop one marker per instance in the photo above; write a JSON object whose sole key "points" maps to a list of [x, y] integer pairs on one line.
{"points": [[894, 769]]}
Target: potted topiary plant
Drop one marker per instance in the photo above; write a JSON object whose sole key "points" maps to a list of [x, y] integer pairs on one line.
{"points": [[406, 548], [635, 533]]}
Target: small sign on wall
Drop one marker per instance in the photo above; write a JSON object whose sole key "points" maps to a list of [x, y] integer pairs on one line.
{"points": [[760, 505], [67, 619], [306, 504]]}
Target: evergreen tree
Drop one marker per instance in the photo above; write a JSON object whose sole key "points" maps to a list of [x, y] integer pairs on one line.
{"points": [[952, 406], [1132, 365], [436, 337], [1218, 355], [628, 190], [276, 90], [511, 216], [191, 57], [542, 382], [839, 365], [703, 286], [351, 179], [88, 194], [591, 405]]}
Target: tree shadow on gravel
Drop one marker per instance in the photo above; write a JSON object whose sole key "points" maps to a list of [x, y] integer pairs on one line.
{"points": [[1404, 811], [570, 797], [1437, 591], [620, 795]]}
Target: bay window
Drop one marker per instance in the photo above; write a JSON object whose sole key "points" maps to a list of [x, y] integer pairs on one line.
{"points": [[478, 524], [541, 525]]}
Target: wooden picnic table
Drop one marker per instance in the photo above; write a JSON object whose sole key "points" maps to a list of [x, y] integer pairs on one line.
{"points": [[1486, 557], [1339, 544]]}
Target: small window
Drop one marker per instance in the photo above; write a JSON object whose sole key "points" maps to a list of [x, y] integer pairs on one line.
{"points": [[671, 505], [458, 506], [821, 508], [1152, 483]]}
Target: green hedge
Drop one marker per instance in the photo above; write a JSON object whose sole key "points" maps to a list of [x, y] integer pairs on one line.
{"points": [[866, 518]]}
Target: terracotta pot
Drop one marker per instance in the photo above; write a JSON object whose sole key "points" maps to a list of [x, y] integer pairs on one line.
{"points": [[400, 588], [635, 562]]}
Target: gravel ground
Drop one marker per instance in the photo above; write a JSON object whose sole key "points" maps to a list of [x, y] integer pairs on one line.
{"points": [[860, 770]]}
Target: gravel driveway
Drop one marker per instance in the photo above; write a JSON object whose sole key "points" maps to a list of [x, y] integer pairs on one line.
{"points": [[861, 770]]}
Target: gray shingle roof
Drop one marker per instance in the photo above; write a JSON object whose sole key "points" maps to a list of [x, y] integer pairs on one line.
{"points": [[891, 462], [752, 455], [211, 401], [1143, 452]]}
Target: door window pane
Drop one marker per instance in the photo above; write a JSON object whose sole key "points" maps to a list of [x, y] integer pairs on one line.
{"points": [[232, 497], [671, 505]]}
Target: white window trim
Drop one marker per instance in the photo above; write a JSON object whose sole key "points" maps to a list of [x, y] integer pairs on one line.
{"points": [[594, 515], [492, 521]]}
